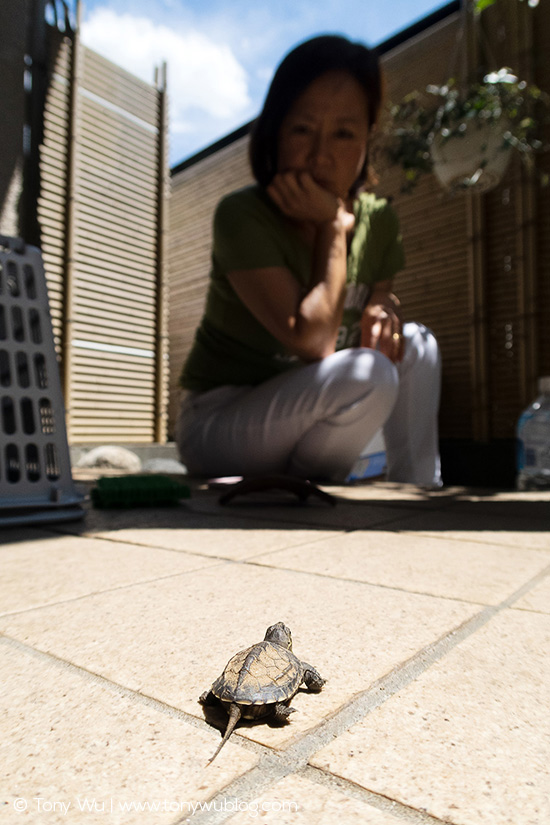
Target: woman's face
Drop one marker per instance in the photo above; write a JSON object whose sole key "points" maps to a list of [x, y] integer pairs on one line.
{"points": [[325, 132]]}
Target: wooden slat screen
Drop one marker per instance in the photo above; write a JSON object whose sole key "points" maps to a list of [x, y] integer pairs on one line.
{"points": [[504, 322], [109, 278], [194, 196], [433, 287]]}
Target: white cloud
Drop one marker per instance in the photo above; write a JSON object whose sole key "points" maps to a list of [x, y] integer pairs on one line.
{"points": [[221, 54], [204, 76]]}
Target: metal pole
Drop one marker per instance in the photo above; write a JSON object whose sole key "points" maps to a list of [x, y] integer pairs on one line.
{"points": [[161, 340], [34, 121], [526, 227], [70, 210]]}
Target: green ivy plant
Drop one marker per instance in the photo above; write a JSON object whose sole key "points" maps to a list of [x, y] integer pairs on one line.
{"points": [[448, 111], [479, 5]]}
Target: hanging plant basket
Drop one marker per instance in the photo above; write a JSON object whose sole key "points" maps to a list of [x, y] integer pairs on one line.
{"points": [[475, 159], [465, 135]]}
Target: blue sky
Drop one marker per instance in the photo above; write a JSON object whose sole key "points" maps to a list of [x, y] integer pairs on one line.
{"points": [[221, 54]]}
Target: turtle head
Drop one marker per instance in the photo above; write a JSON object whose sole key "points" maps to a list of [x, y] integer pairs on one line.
{"points": [[279, 634]]}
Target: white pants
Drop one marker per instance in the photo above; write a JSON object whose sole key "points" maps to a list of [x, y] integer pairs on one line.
{"points": [[313, 421]]}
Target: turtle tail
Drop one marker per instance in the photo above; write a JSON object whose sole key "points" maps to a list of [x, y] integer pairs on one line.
{"points": [[234, 716]]}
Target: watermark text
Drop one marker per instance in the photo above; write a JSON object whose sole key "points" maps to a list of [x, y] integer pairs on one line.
{"points": [[111, 805]]}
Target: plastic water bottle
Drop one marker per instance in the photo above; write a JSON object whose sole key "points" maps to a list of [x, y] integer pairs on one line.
{"points": [[533, 433]]}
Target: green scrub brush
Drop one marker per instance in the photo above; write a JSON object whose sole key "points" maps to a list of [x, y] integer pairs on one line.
{"points": [[138, 491]]}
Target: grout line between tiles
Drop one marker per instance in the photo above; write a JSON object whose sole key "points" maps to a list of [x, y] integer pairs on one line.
{"points": [[252, 558], [130, 543], [359, 582], [221, 562], [531, 610], [187, 552], [386, 804], [126, 586], [134, 696], [273, 767], [466, 540]]}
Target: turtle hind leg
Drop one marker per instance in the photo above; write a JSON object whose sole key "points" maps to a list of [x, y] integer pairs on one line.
{"points": [[234, 716], [281, 711], [312, 677], [208, 698]]}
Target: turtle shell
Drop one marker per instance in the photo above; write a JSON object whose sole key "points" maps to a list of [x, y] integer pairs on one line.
{"points": [[262, 674]]}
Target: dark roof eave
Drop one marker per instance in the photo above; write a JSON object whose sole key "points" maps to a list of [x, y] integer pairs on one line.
{"points": [[227, 140], [386, 46], [417, 28]]}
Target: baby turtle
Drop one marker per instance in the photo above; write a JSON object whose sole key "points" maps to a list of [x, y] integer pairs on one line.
{"points": [[261, 681]]}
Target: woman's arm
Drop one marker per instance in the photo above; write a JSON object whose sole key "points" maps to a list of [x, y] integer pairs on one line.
{"points": [[382, 324], [305, 321]]}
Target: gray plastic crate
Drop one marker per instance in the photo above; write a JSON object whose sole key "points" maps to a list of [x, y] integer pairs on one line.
{"points": [[35, 472]]}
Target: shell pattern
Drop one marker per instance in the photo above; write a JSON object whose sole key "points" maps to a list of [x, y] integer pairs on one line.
{"points": [[260, 675]]}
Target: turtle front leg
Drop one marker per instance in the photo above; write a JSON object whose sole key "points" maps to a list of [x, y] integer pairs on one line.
{"points": [[281, 712], [312, 677]]}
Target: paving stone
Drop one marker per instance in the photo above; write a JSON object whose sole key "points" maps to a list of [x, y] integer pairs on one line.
{"points": [[484, 523], [60, 567], [111, 457], [218, 534], [439, 566], [170, 639], [468, 741], [297, 801], [69, 740], [537, 599], [396, 494], [516, 501]]}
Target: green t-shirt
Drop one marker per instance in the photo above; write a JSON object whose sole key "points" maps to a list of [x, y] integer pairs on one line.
{"points": [[231, 346]]}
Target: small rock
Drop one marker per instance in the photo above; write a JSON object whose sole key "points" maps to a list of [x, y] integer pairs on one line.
{"points": [[116, 458], [164, 465]]}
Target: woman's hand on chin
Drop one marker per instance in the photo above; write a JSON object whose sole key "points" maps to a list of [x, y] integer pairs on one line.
{"points": [[302, 199]]}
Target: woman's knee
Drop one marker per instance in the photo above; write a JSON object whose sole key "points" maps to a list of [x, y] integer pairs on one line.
{"points": [[375, 368], [372, 374], [421, 345], [362, 364]]}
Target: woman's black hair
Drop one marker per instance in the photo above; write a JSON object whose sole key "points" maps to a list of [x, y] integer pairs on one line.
{"points": [[298, 70]]}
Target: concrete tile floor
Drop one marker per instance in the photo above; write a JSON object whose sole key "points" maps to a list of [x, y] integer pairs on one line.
{"points": [[428, 614]]}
